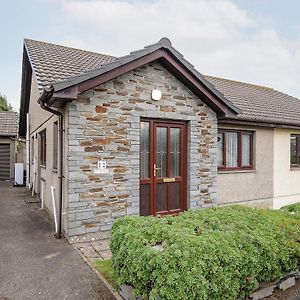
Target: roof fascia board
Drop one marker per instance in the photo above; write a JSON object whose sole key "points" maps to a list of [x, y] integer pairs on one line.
{"points": [[69, 94], [173, 63], [25, 91], [78, 79], [121, 70], [257, 124], [193, 84]]}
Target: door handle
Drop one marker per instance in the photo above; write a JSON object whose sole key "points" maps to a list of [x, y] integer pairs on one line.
{"points": [[155, 169]]}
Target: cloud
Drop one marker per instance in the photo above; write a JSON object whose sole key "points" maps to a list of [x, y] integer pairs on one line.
{"points": [[127, 24], [217, 36]]}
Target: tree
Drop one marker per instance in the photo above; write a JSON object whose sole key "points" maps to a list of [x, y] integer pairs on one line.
{"points": [[4, 105]]}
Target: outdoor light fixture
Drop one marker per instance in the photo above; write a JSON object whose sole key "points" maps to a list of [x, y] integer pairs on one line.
{"points": [[156, 95]]}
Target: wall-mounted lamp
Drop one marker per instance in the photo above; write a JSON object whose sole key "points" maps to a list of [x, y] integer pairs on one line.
{"points": [[156, 95]]}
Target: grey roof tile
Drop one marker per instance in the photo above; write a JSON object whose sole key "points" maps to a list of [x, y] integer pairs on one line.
{"points": [[53, 63], [8, 123], [64, 66], [259, 103]]}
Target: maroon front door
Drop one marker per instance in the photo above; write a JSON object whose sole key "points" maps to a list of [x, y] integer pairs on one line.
{"points": [[163, 167]]}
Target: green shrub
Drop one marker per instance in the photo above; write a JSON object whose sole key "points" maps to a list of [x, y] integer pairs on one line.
{"points": [[295, 208], [217, 253]]}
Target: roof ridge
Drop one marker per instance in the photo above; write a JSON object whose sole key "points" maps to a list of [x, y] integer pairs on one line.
{"points": [[68, 47]]}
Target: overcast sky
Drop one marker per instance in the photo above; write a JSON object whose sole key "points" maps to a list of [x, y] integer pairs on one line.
{"points": [[256, 41]]}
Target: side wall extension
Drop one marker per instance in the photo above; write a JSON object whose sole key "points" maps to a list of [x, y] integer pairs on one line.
{"points": [[43, 175]]}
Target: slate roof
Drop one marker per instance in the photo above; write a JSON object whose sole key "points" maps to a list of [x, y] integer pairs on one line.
{"points": [[8, 123], [259, 103], [63, 66], [52, 63]]}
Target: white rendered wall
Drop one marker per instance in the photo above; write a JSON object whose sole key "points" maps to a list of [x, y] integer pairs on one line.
{"points": [[286, 179]]}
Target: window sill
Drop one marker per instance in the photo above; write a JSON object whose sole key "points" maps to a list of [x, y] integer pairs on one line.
{"points": [[54, 170], [295, 168], [43, 166], [236, 171]]}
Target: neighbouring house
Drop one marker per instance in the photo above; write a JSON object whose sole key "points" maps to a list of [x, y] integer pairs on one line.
{"points": [[8, 134], [147, 134]]}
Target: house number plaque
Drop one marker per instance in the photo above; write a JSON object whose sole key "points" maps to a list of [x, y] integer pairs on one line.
{"points": [[101, 167]]}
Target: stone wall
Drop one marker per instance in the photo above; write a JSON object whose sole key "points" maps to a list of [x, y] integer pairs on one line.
{"points": [[104, 123]]}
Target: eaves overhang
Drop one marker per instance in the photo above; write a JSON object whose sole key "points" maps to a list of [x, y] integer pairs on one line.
{"points": [[163, 52]]}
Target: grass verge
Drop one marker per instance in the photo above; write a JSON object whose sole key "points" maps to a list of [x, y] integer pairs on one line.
{"points": [[104, 267]]}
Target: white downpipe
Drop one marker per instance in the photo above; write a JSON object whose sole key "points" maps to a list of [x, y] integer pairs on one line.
{"points": [[34, 177], [54, 207], [42, 194], [27, 151]]}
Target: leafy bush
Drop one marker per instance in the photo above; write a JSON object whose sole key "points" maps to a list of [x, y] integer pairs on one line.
{"points": [[217, 253], [293, 208]]}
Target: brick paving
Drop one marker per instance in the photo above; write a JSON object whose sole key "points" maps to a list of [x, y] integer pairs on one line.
{"points": [[94, 250]]}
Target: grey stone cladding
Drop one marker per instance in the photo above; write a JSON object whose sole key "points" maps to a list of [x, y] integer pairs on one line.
{"points": [[104, 124]]}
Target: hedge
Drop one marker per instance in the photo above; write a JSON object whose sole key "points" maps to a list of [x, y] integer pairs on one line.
{"points": [[216, 253]]}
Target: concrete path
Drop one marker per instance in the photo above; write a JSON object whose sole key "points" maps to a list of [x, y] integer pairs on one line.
{"points": [[33, 264]]}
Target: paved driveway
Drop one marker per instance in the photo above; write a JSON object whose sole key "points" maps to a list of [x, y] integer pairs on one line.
{"points": [[33, 264]]}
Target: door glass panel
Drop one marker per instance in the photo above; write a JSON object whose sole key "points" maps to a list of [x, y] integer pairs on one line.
{"points": [[144, 150], [174, 152], [145, 200], [246, 149], [231, 149], [174, 195], [161, 197], [161, 151]]}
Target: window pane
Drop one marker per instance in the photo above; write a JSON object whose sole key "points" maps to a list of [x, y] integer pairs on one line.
{"points": [[55, 144], [293, 150], [231, 149], [144, 150], [161, 151], [175, 152], [246, 151], [43, 147], [220, 149]]}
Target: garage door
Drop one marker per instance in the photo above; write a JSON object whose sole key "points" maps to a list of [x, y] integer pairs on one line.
{"points": [[4, 162]]}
